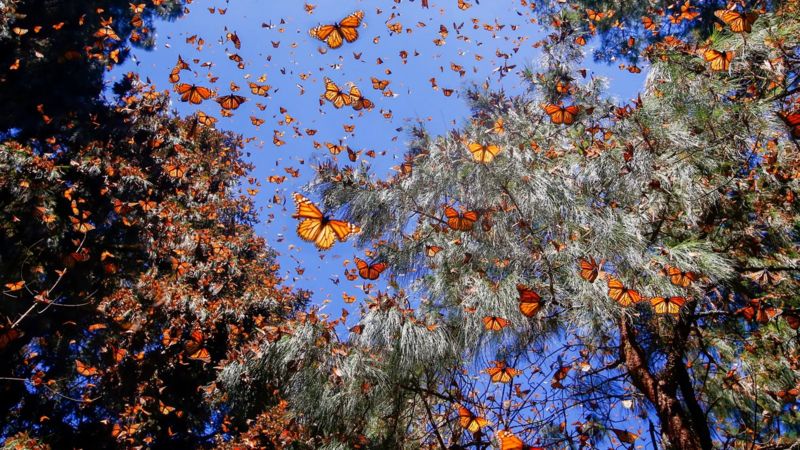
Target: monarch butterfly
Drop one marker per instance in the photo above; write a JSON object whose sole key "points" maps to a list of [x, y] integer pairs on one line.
{"points": [[470, 421], [192, 93], [483, 153], [499, 126], [432, 250], [358, 100], [757, 311], [206, 120], [194, 347], [793, 121], [679, 277], [622, 295], [494, 323], [335, 35], [121, 432], [334, 149], [175, 170], [719, 60], [462, 5], [649, 24], [318, 228], [738, 22], [509, 441], [561, 114], [230, 101], [379, 84], [667, 305], [502, 373], [562, 87], [589, 269], [793, 320], [369, 271], [85, 369], [625, 436], [259, 89], [529, 301], [15, 286], [460, 221], [335, 95]]}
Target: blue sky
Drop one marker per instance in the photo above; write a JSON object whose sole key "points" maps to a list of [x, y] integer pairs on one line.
{"points": [[275, 45]]}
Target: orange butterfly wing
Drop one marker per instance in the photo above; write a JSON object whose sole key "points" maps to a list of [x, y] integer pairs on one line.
{"points": [[589, 269], [335, 95], [349, 26], [529, 301]]}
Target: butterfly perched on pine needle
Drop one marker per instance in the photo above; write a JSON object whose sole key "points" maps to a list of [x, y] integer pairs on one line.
{"points": [[681, 278], [667, 305], [509, 441], [589, 269], [334, 94], [561, 114], [620, 294], [192, 93], [369, 271], [502, 373], [319, 228], [335, 34], [494, 323], [460, 221], [483, 153], [720, 61], [737, 21], [470, 421], [529, 301]]}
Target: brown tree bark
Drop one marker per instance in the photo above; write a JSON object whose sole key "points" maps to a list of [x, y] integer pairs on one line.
{"points": [[676, 422]]}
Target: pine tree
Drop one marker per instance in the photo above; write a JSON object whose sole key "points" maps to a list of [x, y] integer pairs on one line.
{"points": [[631, 269]]}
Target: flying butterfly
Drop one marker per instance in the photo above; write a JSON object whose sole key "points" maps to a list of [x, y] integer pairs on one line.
{"points": [[259, 89], [334, 35], [529, 301], [192, 93], [738, 22], [230, 101], [483, 153], [460, 221], [667, 305], [379, 84], [470, 421], [622, 295], [561, 114], [334, 94], [720, 61], [502, 373], [319, 228], [509, 441], [369, 271], [358, 101]]}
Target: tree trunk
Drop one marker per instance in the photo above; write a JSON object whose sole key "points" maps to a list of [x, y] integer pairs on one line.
{"points": [[676, 422]]}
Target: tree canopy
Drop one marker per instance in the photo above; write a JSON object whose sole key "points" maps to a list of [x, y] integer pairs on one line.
{"points": [[562, 270]]}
